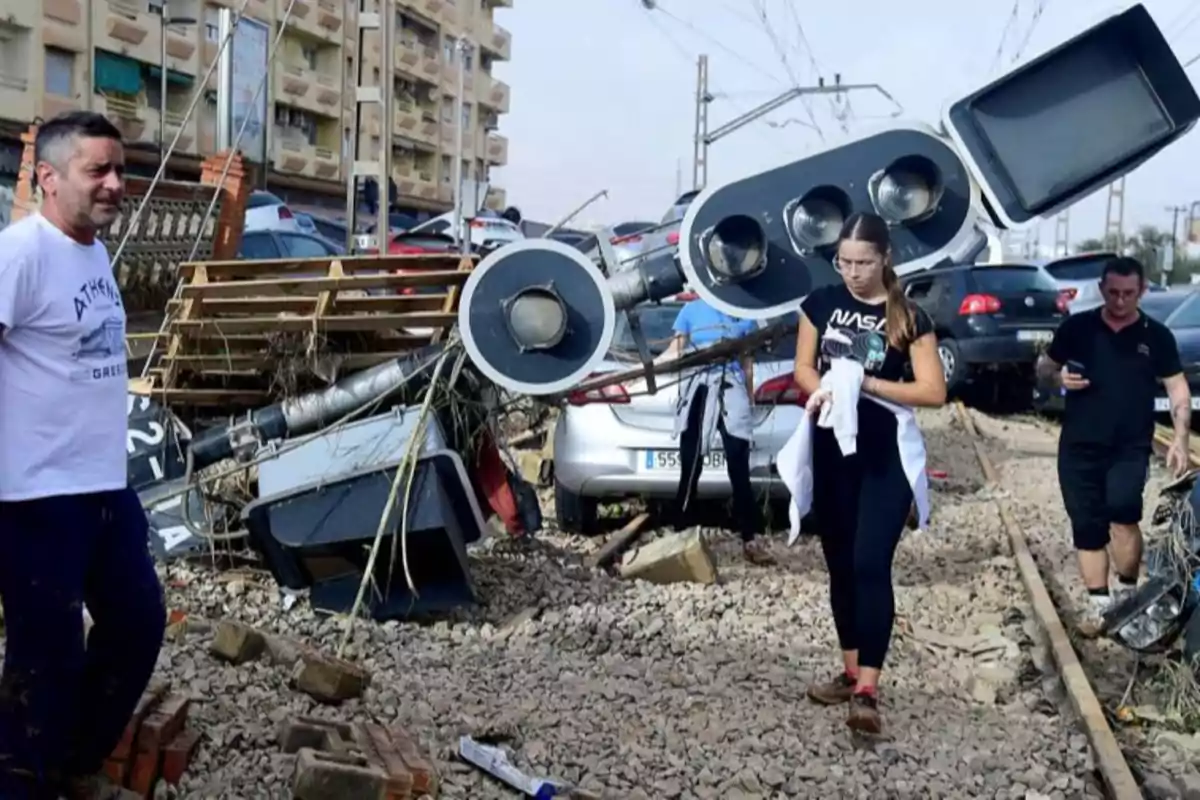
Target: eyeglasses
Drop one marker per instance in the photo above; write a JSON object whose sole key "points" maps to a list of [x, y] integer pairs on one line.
{"points": [[845, 266]]}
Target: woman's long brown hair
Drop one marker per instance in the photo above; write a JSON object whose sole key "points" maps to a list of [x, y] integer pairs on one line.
{"points": [[901, 322]]}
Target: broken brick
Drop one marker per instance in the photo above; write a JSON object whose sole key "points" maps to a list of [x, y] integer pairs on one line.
{"points": [[163, 724], [315, 734], [420, 766], [237, 643], [144, 772], [377, 744], [334, 776], [116, 771], [328, 679], [147, 703], [177, 755]]}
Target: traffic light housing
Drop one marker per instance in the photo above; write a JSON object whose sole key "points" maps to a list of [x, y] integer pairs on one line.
{"points": [[757, 246], [1073, 120], [536, 316]]}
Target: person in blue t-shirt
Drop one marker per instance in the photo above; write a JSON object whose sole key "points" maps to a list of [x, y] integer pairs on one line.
{"points": [[717, 398]]}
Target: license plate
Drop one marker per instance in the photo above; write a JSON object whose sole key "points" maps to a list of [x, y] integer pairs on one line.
{"points": [[1034, 336], [364, 241], [655, 460], [1163, 404]]}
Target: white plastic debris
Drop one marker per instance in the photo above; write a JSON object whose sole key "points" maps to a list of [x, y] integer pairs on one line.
{"points": [[494, 761]]}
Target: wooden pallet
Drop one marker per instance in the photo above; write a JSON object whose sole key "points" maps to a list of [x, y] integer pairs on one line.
{"points": [[221, 345]]}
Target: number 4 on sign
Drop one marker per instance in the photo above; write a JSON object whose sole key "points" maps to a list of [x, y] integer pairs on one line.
{"points": [[175, 535]]}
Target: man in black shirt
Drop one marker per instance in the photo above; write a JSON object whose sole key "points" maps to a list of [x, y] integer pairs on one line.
{"points": [[1109, 361]]}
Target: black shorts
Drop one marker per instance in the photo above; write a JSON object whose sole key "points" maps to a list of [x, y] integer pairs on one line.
{"points": [[1101, 485]]}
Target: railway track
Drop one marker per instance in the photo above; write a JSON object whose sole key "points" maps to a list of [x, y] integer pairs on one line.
{"points": [[1111, 763]]}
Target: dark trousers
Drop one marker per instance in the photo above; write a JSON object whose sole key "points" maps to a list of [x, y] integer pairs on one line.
{"points": [[1101, 484], [860, 505], [737, 464], [63, 707]]}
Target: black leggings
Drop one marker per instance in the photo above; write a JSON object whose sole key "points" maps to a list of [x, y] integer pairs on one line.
{"points": [[860, 506], [737, 464]]}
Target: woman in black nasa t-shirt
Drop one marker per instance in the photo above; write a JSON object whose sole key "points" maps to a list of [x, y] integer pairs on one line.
{"points": [[861, 502]]}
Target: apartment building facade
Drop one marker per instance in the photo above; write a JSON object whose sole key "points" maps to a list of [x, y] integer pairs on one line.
{"points": [[106, 55]]}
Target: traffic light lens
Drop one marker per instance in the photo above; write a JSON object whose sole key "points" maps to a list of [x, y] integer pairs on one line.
{"points": [[736, 248], [537, 318], [816, 222], [908, 191]]}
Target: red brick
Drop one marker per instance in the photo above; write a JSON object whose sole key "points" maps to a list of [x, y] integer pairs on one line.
{"points": [[144, 773], [178, 755], [116, 770], [424, 775], [148, 702], [163, 724], [383, 753]]}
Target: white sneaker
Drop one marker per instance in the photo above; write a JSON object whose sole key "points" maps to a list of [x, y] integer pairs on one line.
{"points": [[1091, 620]]}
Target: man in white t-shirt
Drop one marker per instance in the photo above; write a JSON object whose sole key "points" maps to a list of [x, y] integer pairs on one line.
{"points": [[71, 531]]}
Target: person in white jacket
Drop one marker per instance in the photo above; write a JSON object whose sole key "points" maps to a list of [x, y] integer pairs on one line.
{"points": [[863, 491]]}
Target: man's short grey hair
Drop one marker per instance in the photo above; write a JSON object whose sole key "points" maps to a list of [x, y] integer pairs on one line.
{"points": [[56, 137]]}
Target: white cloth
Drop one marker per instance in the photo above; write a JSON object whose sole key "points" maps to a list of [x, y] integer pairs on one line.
{"points": [[727, 399], [796, 467], [843, 380], [63, 382]]}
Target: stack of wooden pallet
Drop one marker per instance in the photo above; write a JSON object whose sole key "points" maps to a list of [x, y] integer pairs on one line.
{"points": [[233, 324]]}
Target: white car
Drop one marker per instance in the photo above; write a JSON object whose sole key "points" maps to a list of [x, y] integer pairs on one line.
{"points": [[487, 232], [267, 212], [617, 442], [1078, 277]]}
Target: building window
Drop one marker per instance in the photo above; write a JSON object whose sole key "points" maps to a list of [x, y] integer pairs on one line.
{"points": [[467, 61], [309, 54], [60, 72], [448, 50], [212, 25], [466, 116], [448, 110], [447, 174]]}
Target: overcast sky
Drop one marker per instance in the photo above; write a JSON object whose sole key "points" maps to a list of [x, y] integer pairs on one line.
{"points": [[603, 90]]}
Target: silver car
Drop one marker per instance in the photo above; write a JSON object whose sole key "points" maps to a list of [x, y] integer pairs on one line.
{"points": [[666, 233], [615, 442], [629, 242], [1078, 277]]}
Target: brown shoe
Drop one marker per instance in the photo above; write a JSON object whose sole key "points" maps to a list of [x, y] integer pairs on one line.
{"points": [[756, 553], [832, 692], [864, 714]]}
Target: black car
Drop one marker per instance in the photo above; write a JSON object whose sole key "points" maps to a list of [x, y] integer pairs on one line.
{"points": [[988, 317], [1179, 310], [286, 244]]}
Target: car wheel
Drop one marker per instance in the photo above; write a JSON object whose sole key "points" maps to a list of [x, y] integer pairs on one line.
{"points": [[953, 367], [573, 513]]}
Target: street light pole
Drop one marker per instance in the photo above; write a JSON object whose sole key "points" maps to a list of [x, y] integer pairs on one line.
{"points": [[165, 19], [460, 218], [162, 85]]}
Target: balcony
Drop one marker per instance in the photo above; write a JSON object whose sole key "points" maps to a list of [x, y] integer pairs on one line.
{"points": [[188, 142], [17, 102], [496, 148], [295, 156], [493, 38], [431, 64], [407, 119], [308, 89], [427, 135], [61, 23], [493, 94], [130, 116], [496, 200], [19, 14], [313, 19], [127, 28]]}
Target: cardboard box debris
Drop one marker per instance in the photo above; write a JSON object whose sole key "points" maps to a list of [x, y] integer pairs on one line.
{"points": [[677, 558]]}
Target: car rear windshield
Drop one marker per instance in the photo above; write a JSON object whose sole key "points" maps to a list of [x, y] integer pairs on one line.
{"points": [[261, 199], [1084, 268], [1006, 280], [656, 327], [1161, 305]]}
